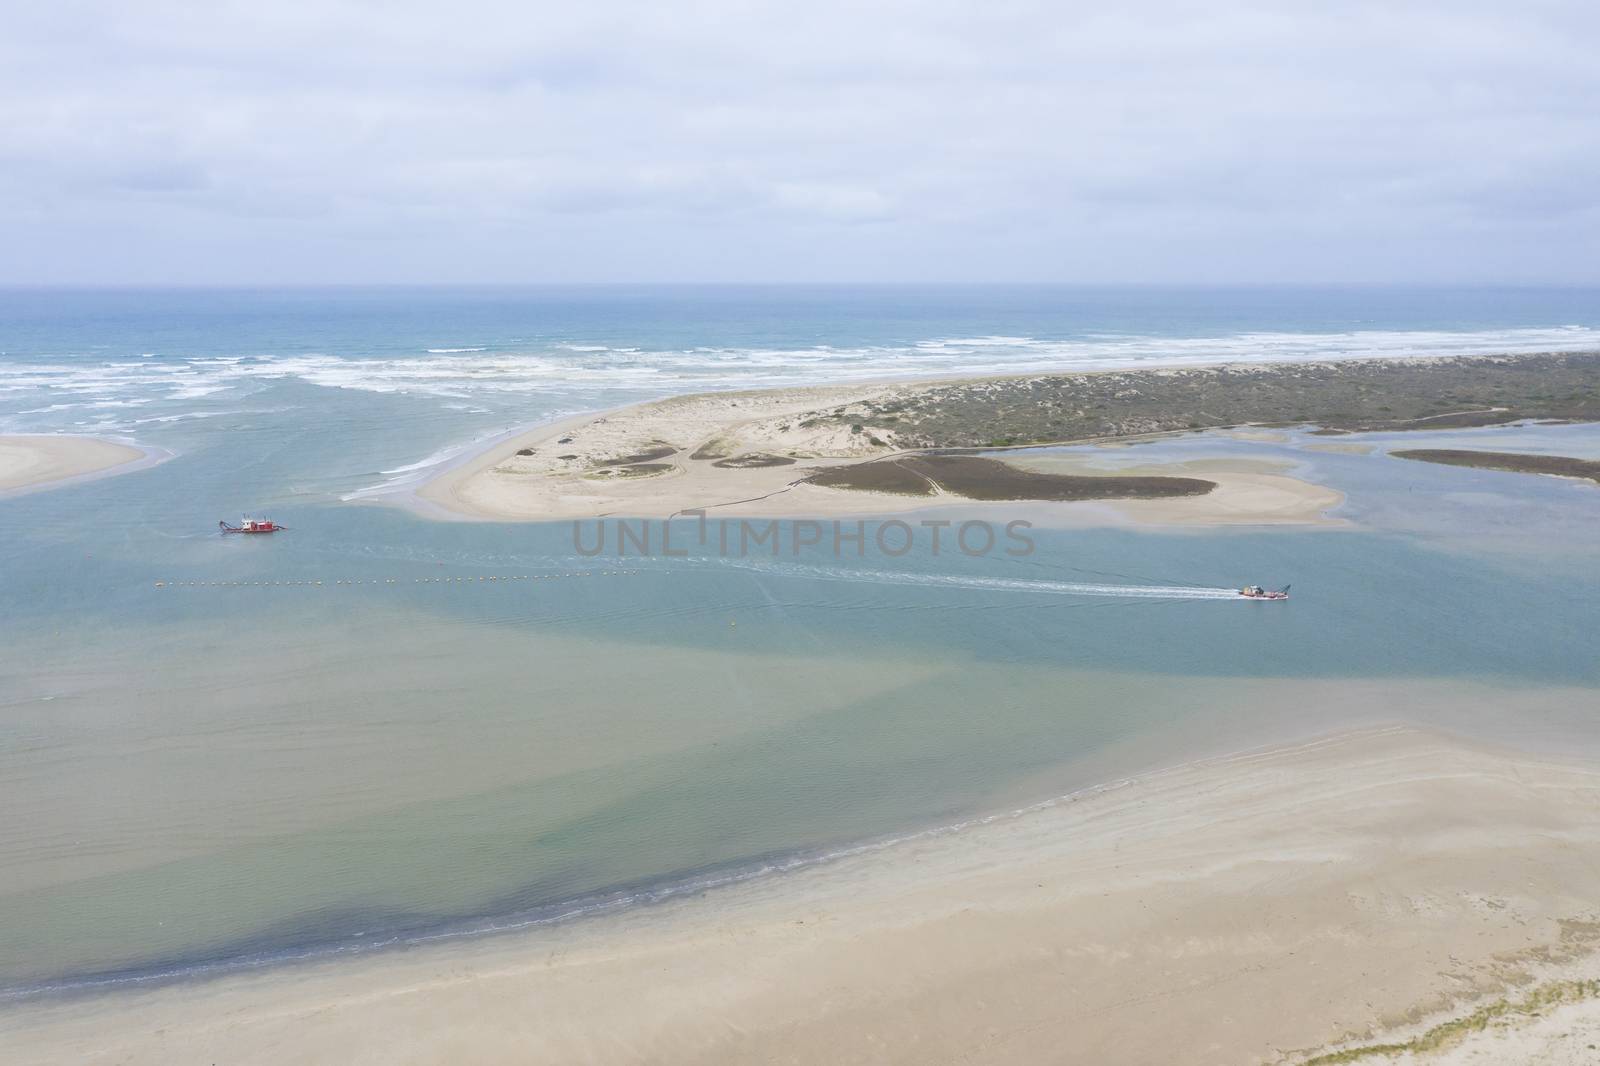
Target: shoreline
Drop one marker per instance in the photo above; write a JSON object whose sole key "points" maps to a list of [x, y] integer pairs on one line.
{"points": [[1425, 706], [1288, 868], [438, 492], [41, 462], [765, 452]]}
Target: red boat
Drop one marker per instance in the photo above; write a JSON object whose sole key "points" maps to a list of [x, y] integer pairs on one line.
{"points": [[251, 525], [1256, 592]]}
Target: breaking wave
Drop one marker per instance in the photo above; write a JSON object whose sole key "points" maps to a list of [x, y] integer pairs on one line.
{"points": [[478, 375]]}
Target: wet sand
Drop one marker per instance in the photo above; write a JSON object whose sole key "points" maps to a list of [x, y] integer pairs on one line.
{"points": [[1262, 906], [29, 463], [1341, 448]]}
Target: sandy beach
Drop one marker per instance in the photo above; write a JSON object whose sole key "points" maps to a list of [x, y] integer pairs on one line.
{"points": [[1266, 906], [38, 462]]}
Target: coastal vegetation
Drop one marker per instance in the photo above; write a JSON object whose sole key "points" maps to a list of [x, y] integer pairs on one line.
{"points": [[1340, 397], [1533, 1004]]}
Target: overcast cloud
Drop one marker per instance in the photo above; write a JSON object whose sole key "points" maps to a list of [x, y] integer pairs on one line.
{"points": [[481, 141]]}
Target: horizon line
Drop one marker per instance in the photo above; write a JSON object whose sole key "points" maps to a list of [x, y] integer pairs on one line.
{"points": [[26, 286]]}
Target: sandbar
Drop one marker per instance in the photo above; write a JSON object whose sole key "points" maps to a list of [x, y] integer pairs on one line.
{"points": [[31, 463]]}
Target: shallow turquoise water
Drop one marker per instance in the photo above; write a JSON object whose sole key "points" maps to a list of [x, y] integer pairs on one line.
{"points": [[242, 764]]}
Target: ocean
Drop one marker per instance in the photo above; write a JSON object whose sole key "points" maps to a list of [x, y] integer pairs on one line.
{"points": [[379, 728]]}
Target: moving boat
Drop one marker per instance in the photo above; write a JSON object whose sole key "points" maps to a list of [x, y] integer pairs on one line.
{"points": [[251, 525], [1256, 592]]}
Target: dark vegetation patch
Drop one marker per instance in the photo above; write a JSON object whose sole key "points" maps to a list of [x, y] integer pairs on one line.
{"points": [[1517, 462], [656, 451], [753, 461], [711, 449], [632, 470], [884, 475], [990, 479]]}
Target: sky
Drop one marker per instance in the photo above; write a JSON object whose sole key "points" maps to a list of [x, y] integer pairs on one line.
{"points": [[470, 141]]}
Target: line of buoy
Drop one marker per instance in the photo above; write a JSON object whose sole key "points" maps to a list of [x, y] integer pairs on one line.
{"points": [[459, 580]]}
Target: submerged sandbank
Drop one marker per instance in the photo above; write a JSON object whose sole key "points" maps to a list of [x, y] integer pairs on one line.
{"points": [[1261, 903], [31, 463]]}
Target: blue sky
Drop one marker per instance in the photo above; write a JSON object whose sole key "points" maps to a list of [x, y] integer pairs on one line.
{"points": [[719, 141]]}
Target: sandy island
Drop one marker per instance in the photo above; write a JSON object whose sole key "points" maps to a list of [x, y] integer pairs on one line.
{"points": [[754, 453], [1389, 886], [890, 447], [30, 463]]}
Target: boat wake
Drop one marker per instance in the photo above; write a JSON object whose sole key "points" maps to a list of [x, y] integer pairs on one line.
{"points": [[1004, 584]]}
